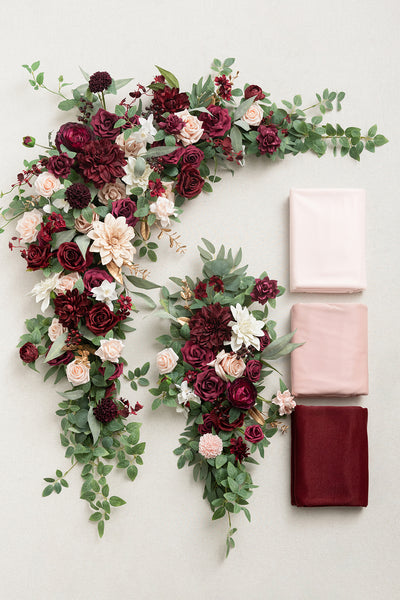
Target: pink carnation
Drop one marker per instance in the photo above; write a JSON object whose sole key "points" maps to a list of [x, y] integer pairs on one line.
{"points": [[210, 446], [285, 402]]}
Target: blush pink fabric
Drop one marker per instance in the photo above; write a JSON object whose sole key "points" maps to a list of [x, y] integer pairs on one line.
{"points": [[333, 362], [327, 240]]}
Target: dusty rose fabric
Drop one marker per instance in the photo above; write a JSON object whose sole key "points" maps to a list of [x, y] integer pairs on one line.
{"points": [[333, 362], [327, 240], [329, 456]]}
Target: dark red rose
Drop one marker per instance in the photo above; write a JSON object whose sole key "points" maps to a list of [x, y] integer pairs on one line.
{"points": [[173, 125], [106, 411], [103, 124], [268, 139], [78, 195], [60, 165], [63, 359], [239, 449], [70, 257], [217, 123], [95, 277], [99, 81], [169, 100], [173, 157], [242, 393], [190, 182], [254, 434], [125, 208], [264, 341], [208, 385], [119, 367], [253, 370], [44, 235], [210, 422], [70, 307], [37, 256], [200, 291], [192, 156], [223, 420], [264, 289], [57, 222], [216, 283], [74, 136], [196, 355], [28, 352], [100, 319], [101, 162], [254, 91], [209, 326]]}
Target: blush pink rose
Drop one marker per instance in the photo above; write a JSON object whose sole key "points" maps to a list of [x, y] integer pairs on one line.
{"points": [[210, 446], [228, 364], [66, 283], [26, 226], [192, 130], [56, 329], [78, 373], [166, 361], [46, 184], [254, 115], [110, 350]]}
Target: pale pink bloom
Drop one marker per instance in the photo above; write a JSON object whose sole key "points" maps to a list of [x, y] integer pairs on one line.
{"points": [[111, 239], [110, 350], [285, 402], [56, 329], [77, 372], [163, 208], [227, 363], [192, 130], [131, 146], [26, 226], [46, 184], [210, 446], [166, 361], [112, 191], [254, 115], [66, 283]]}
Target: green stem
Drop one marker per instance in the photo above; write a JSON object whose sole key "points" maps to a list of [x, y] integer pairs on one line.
{"points": [[103, 100]]}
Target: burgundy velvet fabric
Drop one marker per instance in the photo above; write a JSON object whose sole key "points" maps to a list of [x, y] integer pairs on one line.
{"points": [[329, 456]]}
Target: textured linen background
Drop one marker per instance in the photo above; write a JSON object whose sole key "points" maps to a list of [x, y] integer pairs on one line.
{"points": [[163, 544]]}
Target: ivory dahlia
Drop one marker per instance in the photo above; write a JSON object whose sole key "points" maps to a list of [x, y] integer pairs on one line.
{"points": [[112, 239]]}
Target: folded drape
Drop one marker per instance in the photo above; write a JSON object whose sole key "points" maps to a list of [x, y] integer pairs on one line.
{"points": [[333, 362], [329, 456], [327, 240]]}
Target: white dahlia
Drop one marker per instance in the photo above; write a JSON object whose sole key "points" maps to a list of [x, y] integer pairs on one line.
{"points": [[112, 239]]}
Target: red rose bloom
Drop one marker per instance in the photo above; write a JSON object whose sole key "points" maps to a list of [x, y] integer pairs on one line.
{"points": [[223, 419], [242, 393], [95, 277], [253, 370], [125, 208], [209, 326], [264, 289], [210, 422], [195, 355], [103, 124], [73, 136], [190, 182], [254, 91], [254, 434], [169, 100], [119, 367], [28, 352], [100, 319], [70, 257], [217, 123], [192, 156], [101, 162], [37, 256], [173, 157], [70, 307], [200, 291], [268, 139], [239, 449], [208, 385], [60, 165], [63, 359]]}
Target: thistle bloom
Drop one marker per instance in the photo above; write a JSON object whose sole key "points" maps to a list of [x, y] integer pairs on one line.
{"points": [[112, 239]]}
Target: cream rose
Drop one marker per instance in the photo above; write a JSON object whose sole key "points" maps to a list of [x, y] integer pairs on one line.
{"points": [[254, 115], [112, 191], [56, 329], [82, 225], [228, 364], [192, 131], [110, 350], [26, 226], [131, 146], [163, 208], [78, 373], [66, 283], [46, 184], [166, 361]]}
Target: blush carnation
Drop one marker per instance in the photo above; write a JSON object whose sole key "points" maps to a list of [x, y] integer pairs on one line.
{"points": [[210, 446]]}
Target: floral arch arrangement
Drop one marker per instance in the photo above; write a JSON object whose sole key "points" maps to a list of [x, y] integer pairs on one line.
{"points": [[86, 208]]}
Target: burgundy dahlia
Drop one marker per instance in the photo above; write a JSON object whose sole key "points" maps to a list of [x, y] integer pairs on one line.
{"points": [[28, 352], [190, 182], [173, 157], [74, 136], [265, 340], [99, 81], [78, 195], [242, 393], [209, 326], [254, 434], [217, 123], [70, 307], [101, 161], [60, 165], [125, 208], [239, 449], [264, 289], [169, 100], [106, 411], [103, 124], [254, 91], [268, 139]]}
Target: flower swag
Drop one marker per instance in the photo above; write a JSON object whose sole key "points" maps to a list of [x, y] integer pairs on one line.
{"points": [[212, 369]]}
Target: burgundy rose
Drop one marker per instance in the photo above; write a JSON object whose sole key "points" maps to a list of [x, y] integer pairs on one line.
{"points": [[95, 277], [37, 256], [223, 421], [254, 91], [101, 162], [74, 136], [192, 156], [196, 355], [125, 208], [217, 123], [70, 307], [28, 352], [200, 291], [264, 289], [71, 258], [100, 319], [208, 385], [60, 165], [173, 157], [173, 124], [242, 393], [210, 422], [264, 341], [119, 367], [99, 81], [254, 434], [190, 182], [268, 139], [63, 359], [103, 124], [209, 326], [253, 370], [169, 100]]}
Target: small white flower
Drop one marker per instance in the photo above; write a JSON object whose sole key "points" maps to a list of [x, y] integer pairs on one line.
{"points": [[147, 131], [133, 180], [185, 395], [59, 203], [105, 292], [43, 289], [246, 329]]}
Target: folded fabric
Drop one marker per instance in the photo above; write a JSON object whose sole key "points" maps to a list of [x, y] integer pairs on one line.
{"points": [[333, 360], [329, 456], [327, 240]]}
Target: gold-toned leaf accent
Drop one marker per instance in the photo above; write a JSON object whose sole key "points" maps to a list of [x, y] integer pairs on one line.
{"points": [[183, 320], [173, 238], [115, 272], [256, 415], [145, 229]]}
